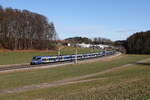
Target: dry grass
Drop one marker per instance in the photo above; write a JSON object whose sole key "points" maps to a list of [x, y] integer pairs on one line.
{"points": [[126, 83]]}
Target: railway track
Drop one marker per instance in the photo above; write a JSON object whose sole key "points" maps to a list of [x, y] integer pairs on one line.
{"points": [[15, 67], [28, 66]]}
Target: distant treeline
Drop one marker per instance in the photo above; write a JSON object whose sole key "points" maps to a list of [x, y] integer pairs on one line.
{"points": [[22, 29], [100, 40], [96, 40], [78, 40], [138, 43]]}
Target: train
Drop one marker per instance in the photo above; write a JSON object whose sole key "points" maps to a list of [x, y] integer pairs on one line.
{"points": [[63, 58]]}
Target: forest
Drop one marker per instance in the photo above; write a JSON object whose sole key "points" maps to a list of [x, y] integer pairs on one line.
{"points": [[139, 43], [95, 40], [22, 29]]}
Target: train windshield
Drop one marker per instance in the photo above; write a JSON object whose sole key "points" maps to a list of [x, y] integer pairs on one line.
{"points": [[36, 58]]}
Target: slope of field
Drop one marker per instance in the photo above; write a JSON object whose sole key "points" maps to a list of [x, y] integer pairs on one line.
{"points": [[123, 83], [28, 77], [18, 57]]}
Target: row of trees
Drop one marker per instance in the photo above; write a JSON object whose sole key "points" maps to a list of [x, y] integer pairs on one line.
{"points": [[96, 40], [25, 30], [78, 40], [99, 40], [138, 43]]}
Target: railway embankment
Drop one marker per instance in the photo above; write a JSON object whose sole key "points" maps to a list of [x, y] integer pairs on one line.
{"points": [[22, 67]]}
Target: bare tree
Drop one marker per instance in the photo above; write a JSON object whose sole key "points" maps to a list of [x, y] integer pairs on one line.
{"points": [[25, 30]]}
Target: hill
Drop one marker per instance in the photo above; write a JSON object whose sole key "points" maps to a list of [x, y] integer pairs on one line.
{"points": [[139, 43]]}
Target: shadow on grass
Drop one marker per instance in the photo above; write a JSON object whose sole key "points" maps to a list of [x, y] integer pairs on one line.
{"points": [[146, 64]]}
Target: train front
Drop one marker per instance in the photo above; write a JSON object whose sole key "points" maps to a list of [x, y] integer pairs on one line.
{"points": [[36, 60]]}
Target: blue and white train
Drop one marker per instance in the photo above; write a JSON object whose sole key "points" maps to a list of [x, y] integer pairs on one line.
{"points": [[54, 59]]}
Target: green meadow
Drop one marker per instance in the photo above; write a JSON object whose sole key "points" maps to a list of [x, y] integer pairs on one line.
{"points": [[25, 57], [129, 83]]}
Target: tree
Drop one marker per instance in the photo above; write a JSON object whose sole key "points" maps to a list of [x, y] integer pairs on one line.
{"points": [[99, 40], [139, 43], [78, 40], [25, 30]]}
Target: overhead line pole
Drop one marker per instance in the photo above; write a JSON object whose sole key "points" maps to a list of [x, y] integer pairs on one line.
{"points": [[76, 59], [58, 51]]}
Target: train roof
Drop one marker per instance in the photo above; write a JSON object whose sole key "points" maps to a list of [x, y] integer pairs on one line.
{"points": [[67, 55], [42, 56]]}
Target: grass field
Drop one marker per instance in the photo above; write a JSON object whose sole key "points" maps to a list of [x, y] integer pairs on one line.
{"points": [[121, 86], [25, 57], [46, 75], [131, 83]]}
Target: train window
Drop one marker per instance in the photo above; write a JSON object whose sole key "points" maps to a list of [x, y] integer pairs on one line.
{"points": [[52, 58], [35, 58], [43, 59]]}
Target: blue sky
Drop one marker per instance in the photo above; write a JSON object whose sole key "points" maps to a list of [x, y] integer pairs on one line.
{"points": [[113, 19]]}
